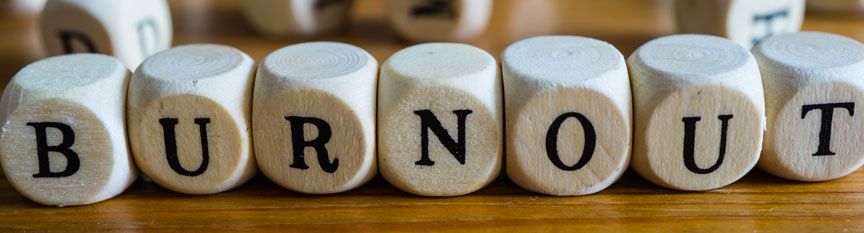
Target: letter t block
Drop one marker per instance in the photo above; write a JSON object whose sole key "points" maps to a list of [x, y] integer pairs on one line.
{"points": [[440, 119]]}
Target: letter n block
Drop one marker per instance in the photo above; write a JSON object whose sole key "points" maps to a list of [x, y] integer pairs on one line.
{"points": [[440, 119], [189, 117], [314, 117], [130, 30], [568, 114], [699, 111], [814, 89], [743, 21], [63, 140], [439, 20]]}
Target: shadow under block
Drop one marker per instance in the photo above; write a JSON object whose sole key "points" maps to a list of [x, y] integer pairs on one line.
{"points": [[314, 117], [189, 112], [439, 20], [440, 119], [699, 111], [567, 114], [130, 30], [743, 21], [296, 17], [814, 88], [63, 140]]}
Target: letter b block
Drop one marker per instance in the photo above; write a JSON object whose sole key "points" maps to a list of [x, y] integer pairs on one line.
{"points": [[189, 115], [568, 114], [743, 21], [440, 119], [130, 30], [314, 117], [699, 111], [814, 88], [63, 139]]}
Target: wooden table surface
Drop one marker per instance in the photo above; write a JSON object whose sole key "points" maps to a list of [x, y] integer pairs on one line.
{"points": [[758, 202]]}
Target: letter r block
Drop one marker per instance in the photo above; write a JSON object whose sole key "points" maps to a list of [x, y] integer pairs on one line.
{"points": [[814, 89], [63, 140], [189, 117], [314, 117], [699, 111], [440, 119], [568, 114], [743, 21], [130, 30]]}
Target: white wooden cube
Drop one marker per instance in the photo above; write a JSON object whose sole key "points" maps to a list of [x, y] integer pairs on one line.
{"points": [[440, 119], [297, 17], [189, 112], [568, 114], [314, 117], [130, 30], [743, 21], [699, 111], [439, 20], [814, 89], [63, 140]]}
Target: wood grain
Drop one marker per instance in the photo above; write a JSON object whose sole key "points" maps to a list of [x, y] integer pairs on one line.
{"points": [[758, 202]]}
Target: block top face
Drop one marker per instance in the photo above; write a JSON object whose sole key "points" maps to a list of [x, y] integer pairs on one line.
{"points": [[193, 62], [54, 73], [560, 58], [810, 51], [440, 61], [317, 60], [691, 57]]}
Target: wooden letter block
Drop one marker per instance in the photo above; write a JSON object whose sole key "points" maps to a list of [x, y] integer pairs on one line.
{"points": [[296, 17], [440, 119], [814, 89], [699, 111], [130, 30], [568, 114], [439, 20], [189, 116], [314, 117], [743, 21], [63, 140]]}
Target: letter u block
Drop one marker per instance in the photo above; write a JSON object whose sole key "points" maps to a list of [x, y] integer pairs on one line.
{"points": [[440, 119], [189, 117], [314, 117], [296, 17], [63, 140], [699, 111], [568, 114], [814, 88], [743, 21], [130, 30], [439, 20]]}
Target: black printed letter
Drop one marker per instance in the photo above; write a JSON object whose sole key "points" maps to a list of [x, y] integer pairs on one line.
{"points": [[299, 143], [430, 122], [171, 146], [552, 141], [690, 143], [67, 36], [825, 128], [42, 149]]}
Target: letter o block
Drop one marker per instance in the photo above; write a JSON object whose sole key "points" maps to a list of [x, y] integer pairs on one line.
{"points": [[814, 86], [568, 114], [130, 30], [699, 111], [63, 140], [314, 117], [439, 20], [296, 17], [440, 119], [743, 21], [189, 116]]}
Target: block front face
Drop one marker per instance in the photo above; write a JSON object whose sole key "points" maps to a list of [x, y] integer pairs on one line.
{"points": [[556, 139], [439, 141], [748, 22], [332, 152], [718, 129], [77, 158], [804, 137], [180, 138], [69, 29]]}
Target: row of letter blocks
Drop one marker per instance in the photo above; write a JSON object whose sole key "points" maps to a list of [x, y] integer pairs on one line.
{"points": [[319, 118]]}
